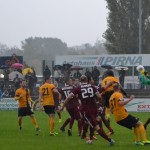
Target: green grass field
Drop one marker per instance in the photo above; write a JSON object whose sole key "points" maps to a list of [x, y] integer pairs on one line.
{"points": [[13, 139]]}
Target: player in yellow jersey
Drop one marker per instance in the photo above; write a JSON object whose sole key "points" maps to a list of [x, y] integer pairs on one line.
{"points": [[47, 99], [117, 106], [22, 95], [106, 84]]}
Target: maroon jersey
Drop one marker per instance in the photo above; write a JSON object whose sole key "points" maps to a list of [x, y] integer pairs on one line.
{"points": [[65, 91], [86, 94]]}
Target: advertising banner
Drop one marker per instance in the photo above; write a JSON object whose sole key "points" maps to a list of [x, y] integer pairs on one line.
{"points": [[139, 105], [98, 60], [8, 104]]}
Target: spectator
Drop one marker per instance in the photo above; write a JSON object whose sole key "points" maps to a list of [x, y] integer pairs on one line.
{"points": [[2, 85], [1, 93], [47, 72], [121, 77], [88, 74], [77, 74], [6, 76], [12, 92], [57, 74], [30, 81], [95, 75], [34, 76], [17, 82]]}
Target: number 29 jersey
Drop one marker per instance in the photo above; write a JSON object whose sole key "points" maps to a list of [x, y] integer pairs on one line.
{"points": [[86, 94], [47, 92]]}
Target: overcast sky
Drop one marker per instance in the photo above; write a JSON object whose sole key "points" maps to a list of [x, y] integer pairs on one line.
{"points": [[73, 21]]}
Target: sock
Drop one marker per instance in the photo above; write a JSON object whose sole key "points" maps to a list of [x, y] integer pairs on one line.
{"points": [[65, 123], [100, 123], [142, 132], [85, 128], [146, 123], [137, 135], [91, 133], [51, 123], [79, 126], [34, 122], [71, 123], [103, 134], [59, 115], [20, 123]]}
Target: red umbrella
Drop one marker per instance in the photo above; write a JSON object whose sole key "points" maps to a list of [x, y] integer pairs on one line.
{"points": [[17, 65], [76, 68]]}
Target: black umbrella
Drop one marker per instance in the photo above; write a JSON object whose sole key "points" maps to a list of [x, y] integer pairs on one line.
{"points": [[59, 67], [67, 66], [106, 66], [4, 67]]}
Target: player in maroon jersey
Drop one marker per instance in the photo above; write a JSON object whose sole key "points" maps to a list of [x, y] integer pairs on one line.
{"points": [[71, 107], [86, 93]]}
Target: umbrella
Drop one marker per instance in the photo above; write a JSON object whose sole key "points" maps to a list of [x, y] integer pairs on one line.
{"points": [[121, 68], [12, 75], [67, 66], [75, 68], [57, 67], [17, 65], [4, 67], [26, 70], [106, 66]]}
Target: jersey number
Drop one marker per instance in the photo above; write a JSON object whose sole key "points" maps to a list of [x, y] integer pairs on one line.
{"points": [[87, 92], [112, 103], [45, 91], [67, 93]]}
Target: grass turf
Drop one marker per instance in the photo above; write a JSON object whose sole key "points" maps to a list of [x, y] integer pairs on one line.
{"points": [[13, 139]]}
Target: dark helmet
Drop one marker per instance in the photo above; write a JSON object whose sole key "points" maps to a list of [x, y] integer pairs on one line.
{"points": [[109, 73]]}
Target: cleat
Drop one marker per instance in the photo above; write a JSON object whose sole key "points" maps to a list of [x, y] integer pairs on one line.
{"points": [[139, 143], [89, 142], [62, 129], [69, 132], [110, 133], [145, 126], [94, 138], [85, 138], [146, 142], [20, 128], [53, 133], [112, 142], [60, 120]]}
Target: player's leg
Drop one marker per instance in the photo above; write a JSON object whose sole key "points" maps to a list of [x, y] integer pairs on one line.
{"points": [[70, 126], [34, 121], [142, 132], [62, 128], [146, 123], [20, 122], [79, 126]]}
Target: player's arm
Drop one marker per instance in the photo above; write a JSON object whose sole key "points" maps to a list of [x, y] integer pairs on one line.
{"points": [[40, 97], [122, 102], [70, 96], [18, 97], [107, 85], [98, 95], [56, 91]]}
